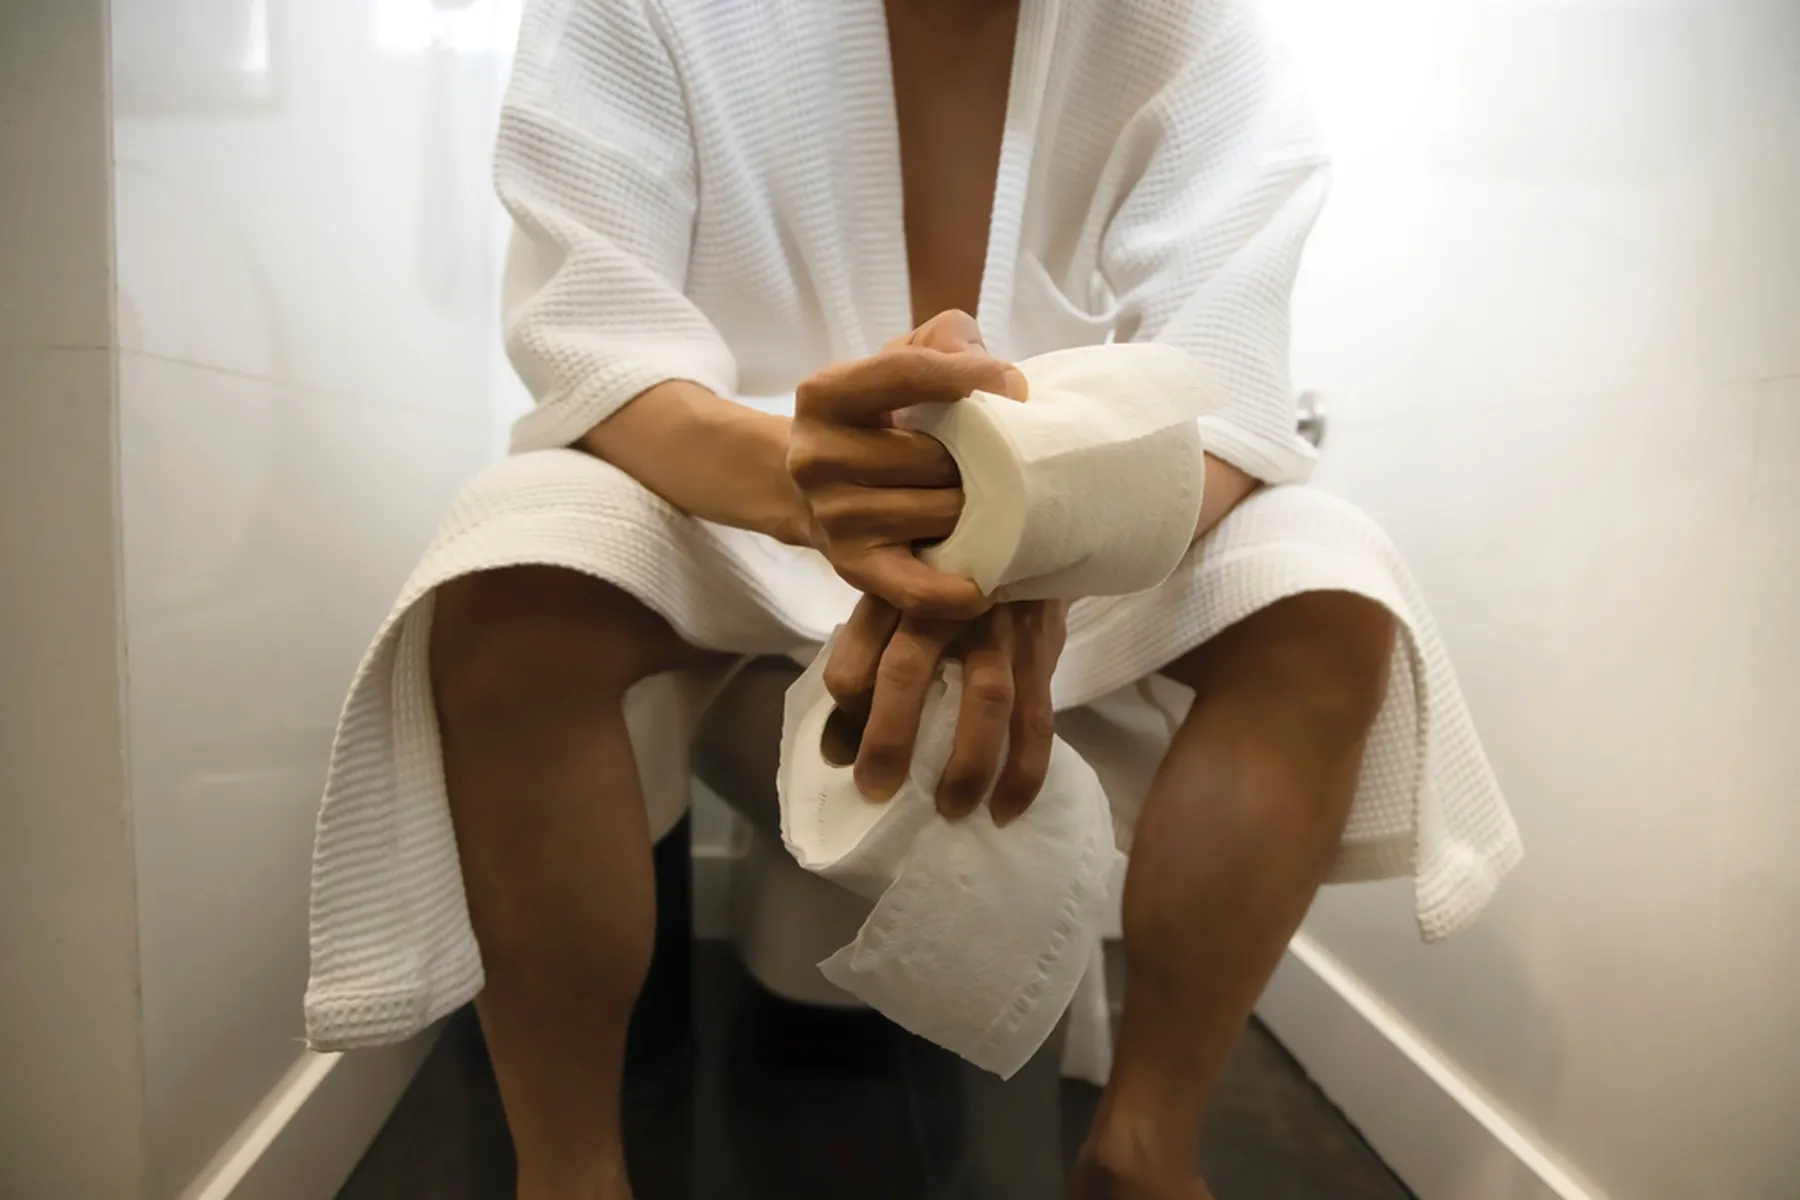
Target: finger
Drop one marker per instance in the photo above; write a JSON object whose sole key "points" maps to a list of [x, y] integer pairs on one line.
{"points": [[820, 453], [894, 574], [889, 516], [1014, 386], [856, 651], [1033, 726], [951, 331], [982, 720], [903, 677], [865, 391], [955, 331]]}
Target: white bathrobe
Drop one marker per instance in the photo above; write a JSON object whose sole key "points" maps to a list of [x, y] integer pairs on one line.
{"points": [[710, 190]]}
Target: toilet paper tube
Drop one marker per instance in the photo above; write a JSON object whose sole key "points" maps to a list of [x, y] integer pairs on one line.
{"points": [[1090, 487], [979, 935]]}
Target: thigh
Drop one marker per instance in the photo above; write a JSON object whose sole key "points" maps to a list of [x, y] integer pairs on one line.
{"points": [[530, 657], [533, 636]]}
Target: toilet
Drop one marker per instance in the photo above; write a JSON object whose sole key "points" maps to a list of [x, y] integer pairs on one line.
{"points": [[784, 920]]}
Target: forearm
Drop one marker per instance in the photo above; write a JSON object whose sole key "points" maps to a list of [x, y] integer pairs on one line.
{"points": [[1226, 487], [710, 458], [726, 463]]}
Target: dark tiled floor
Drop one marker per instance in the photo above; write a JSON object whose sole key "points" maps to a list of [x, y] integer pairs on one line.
{"points": [[790, 1104]]}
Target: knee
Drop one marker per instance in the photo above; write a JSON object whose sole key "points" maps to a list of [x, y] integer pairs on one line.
{"points": [[1341, 667], [524, 641], [1317, 663]]}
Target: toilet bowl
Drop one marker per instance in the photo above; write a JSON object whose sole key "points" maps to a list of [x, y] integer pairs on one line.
{"points": [[784, 919]]}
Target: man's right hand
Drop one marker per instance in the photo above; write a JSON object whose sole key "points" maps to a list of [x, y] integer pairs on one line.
{"points": [[873, 491]]}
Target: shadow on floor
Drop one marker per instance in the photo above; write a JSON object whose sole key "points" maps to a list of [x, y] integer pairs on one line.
{"points": [[798, 1104]]}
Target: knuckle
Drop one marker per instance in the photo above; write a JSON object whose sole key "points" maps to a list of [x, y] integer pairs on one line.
{"points": [[913, 363], [806, 461], [991, 690], [809, 395], [841, 681], [818, 394], [904, 667], [912, 352], [1038, 722], [835, 510], [911, 598]]}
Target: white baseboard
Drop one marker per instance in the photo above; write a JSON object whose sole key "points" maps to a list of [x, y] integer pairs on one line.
{"points": [[308, 1133], [1434, 1127]]}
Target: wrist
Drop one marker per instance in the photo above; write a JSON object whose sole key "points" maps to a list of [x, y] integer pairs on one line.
{"points": [[710, 457], [786, 517], [752, 446]]}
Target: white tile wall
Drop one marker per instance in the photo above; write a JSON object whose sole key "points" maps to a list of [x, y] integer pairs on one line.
{"points": [[70, 1060], [70, 1054], [309, 369], [1556, 301]]}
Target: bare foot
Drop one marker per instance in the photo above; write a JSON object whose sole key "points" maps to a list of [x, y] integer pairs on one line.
{"points": [[1091, 1181], [609, 1184]]}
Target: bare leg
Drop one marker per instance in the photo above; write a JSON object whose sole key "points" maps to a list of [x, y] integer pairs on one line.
{"points": [[1236, 836], [529, 668]]}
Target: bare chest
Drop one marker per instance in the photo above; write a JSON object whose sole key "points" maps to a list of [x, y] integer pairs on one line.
{"points": [[952, 64]]}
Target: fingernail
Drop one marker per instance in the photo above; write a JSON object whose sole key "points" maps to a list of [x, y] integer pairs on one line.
{"points": [[969, 328], [953, 806], [873, 786], [1016, 385], [1001, 808]]}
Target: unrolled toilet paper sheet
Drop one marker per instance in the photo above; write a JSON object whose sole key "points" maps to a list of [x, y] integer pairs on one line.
{"points": [[979, 934]]}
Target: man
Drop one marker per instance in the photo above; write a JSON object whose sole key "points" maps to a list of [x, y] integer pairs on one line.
{"points": [[719, 198]]}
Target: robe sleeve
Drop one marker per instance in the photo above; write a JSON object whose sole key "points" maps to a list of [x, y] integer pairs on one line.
{"points": [[1227, 177], [595, 162]]}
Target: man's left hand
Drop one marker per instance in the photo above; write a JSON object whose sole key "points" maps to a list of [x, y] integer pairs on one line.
{"points": [[882, 666]]}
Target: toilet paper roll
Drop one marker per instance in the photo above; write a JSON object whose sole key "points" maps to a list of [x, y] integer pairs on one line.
{"points": [[979, 934], [1091, 487]]}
